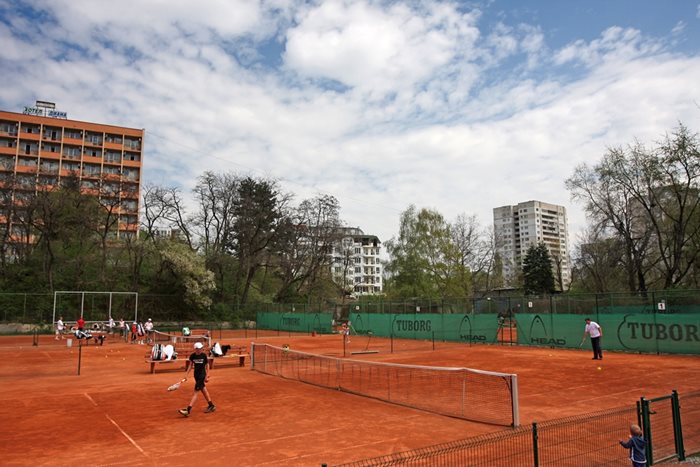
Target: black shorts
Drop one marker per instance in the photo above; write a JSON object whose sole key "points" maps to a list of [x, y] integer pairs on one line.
{"points": [[198, 384]]}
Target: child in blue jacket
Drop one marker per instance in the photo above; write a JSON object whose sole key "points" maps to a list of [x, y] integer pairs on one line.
{"points": [[636, 444]]}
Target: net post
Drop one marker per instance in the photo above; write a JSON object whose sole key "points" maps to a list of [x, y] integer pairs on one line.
{"points": [[252, 356], [514, 397]]}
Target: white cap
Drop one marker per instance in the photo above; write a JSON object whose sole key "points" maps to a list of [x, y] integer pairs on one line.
{"points": [[198, 345]]}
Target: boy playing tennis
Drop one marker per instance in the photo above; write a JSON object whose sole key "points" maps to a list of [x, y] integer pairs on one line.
{"points": [[198, 360]]}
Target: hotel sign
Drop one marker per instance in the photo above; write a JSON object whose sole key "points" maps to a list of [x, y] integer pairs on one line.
{"points": [[44, 109]]}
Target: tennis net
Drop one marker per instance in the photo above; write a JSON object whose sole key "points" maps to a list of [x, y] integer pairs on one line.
{"points": [[476, 395]]}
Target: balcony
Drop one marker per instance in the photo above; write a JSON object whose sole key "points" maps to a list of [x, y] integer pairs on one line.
{"points": [[128, 163], [27, 169], [8, 150]]}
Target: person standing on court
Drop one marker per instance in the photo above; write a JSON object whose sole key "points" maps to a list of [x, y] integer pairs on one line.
{"points": [[637, 446], [198, 360], [81, 324], [149, 331], [594, 330], [59, 327]]}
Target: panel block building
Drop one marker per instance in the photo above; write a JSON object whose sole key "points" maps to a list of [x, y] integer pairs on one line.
{"points": [[41, 147], [356, 264], [518, 227]]}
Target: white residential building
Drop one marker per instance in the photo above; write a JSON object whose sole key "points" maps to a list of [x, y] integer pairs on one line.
{"points": [[356, 265], [516, 228]]}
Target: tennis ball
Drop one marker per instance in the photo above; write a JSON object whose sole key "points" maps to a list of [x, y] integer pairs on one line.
{"points": [[600, 367]]}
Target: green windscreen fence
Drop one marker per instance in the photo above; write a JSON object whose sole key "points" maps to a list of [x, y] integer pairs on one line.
{"points": [[295, 322], [625, 329], [448, 327], [628, 331]]}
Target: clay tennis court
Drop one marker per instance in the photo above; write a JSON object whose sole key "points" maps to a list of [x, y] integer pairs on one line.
{"points": [[117, 413]]}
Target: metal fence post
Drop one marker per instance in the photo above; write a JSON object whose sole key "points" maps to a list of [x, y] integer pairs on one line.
{"points": [[677, 427], [535, 453], [646, 428]]}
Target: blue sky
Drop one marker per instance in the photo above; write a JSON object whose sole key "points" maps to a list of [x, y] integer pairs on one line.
{"points": [[455, 106]]}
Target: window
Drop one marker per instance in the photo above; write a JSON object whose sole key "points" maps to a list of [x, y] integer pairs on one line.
{"points": [[9, 128], [93, 138], [27, 162], [113, 156], [71, 152], [358, 270], [358, 251], [115, 139], [131, 174], [132, 143], [52, 133], [71, 133], [358, 260], [91, 169]]}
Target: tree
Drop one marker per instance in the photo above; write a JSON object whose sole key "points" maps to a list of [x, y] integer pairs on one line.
{"points": [[189, 274], [423, 257], [258, 212], [649, 199], [596, 263], [537, 270], [305, 247]]}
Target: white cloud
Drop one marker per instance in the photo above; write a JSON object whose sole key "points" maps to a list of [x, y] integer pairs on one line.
{"points": [[427, 114], [614, 44], [362, 45]]}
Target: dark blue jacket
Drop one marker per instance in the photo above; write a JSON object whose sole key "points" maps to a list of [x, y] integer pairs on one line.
{"points": [[636, 445]]}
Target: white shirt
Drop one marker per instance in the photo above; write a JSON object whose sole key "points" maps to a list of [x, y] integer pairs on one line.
{"points": [[148, 326], [59, 325], [593, 329]]}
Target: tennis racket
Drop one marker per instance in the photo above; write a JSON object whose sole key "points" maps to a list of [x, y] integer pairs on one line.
{"points": [[176, 386]]}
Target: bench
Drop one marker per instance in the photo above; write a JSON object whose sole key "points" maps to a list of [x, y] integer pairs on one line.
{"points": [[240, 356], [239, 352], [154, 362]]}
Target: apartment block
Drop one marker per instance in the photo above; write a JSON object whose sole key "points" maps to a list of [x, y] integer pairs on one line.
{"points": [[41, 147], [356, 265], [526, 224]]}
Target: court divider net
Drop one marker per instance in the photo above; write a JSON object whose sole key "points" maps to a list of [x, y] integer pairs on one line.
{"points": [[465, 393], [180, 341]]}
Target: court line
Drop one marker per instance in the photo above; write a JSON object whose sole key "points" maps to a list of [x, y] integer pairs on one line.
{"points": [[90, 399], [131, 440]]}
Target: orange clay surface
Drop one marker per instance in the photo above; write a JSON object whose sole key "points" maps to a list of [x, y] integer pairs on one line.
{"points": [[117, 413]]}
